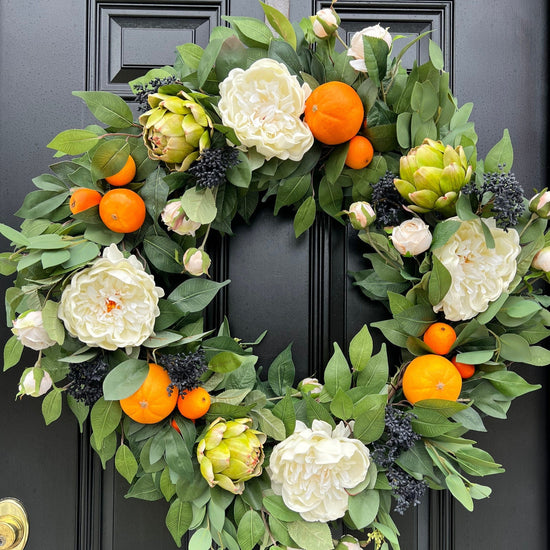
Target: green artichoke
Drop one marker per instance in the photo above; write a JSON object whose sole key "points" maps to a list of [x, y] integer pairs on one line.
{"points": [[432, 175], [175, 130], [231, 453]]}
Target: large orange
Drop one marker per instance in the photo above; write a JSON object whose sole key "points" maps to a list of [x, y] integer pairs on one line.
{"points": [[151, 402], [122, 210], [431, 377], [83, 198], [125, 175], [194, 404], [440, 337], [334, 112]]}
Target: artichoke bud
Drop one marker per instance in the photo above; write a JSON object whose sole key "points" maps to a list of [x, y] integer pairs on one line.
{"points": [[426, 155], [425, 198], [446, 203], [405, 188], [451, 155], [231, 453], [408, 166], [427, 177], [452, 178]]}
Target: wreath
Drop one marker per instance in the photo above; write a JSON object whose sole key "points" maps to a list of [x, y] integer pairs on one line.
{"points": [[111, 285]]}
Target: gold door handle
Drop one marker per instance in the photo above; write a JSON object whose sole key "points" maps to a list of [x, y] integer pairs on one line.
{"points": [[14, 525]]}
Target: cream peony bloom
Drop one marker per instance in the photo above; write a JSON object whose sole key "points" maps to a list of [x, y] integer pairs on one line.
{"points": [[312, 469], [263, 105], [30, 331], [112, 304], [357, 50], [479, 274]]}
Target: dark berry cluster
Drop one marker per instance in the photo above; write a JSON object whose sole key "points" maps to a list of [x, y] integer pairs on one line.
{"points": [[407, 490], [210, 168], [87, 380], [386, 201], [184, 369], [399, 436], [143, 91], [507, 202]]}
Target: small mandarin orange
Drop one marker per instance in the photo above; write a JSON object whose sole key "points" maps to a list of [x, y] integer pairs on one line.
{"points": [[440, 337], [360, 153], [465, 370], [125, 175], [122, 210], [194, 404], [83, 198]]}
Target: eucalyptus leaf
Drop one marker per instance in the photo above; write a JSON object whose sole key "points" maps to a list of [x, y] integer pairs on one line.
{"points": [[125, 463], [125, 379], [305, 216], [108, 108]]}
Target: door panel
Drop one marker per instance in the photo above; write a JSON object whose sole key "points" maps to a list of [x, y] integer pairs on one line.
{"points": [[299, 290]]}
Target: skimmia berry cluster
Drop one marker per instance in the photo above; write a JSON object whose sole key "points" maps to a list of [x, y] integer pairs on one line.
{"points": [[142, 92], [86, 380], [211, 167], [184, 369], [387, 201], [407, 490]]}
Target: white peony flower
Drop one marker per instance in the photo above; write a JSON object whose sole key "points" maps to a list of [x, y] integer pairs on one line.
{"points": [[542, 259], [263, 105], [313, 467], [30, 331], [325, 22], [357, 50], [35, 382], [411, 237], [479, 274], [112, 304], [176, 220]]}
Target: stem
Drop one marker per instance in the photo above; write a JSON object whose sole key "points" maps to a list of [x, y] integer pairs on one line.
{"points": [[531, 220], [122, 134], [201, 247], [385, 258], [273, 541], [340, 40]]}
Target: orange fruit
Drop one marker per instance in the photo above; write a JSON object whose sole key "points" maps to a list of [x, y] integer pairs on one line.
{"points": [[124, 176], [440, 337], [122, 210], [431, 377], [174, 425], [194, 404], [360, 153], [84, 198], [465, 370], [151, 403], [334, 112]]}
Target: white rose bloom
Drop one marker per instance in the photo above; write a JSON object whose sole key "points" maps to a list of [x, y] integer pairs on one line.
{"points": [[328, 17], [411, 237], [112, 304], [479, 274], [30, 331], [176, 220], [542, 259], [35, 382], [263, 105], [312, 469], [357, 50]]}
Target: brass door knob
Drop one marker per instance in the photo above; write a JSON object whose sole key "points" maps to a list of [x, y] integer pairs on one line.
{"points": [[14, 525]]}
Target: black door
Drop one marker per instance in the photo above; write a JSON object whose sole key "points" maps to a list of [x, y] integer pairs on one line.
{"points": [[297, 289]]}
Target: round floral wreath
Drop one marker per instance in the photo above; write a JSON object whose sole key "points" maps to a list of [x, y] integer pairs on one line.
{"points": [[454, 251]]}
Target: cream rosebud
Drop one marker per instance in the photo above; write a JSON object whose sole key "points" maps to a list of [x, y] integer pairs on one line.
{"points": [[361, 214], [176, 220], [357, 50], [348, 542], [196, 262], [412, 237], [542, 259], [30, 331], [540, 204], [311, 386], [35, 382], [325, 22]]}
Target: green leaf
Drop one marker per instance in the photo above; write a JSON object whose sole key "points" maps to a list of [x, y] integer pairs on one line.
{"points": [[514, 348], [51, 406], [459, 491], [250, 531], [475, 357], [38, 204], [416, 319], [330, 197], [13, 235], [79, 409], [311, 535], [108, 108], [360, 349], [199, 205], [241, 174], [444, 407], [337, 372], [510, 383], [271, 425], [201, 540], [443, 232], [178, 519], [369, 416], [315, 410], [126, 463], [436, 55], [363, 508], [291, 190], [305, 216], [502, 154], [425, 100], [429, 423], [144, 489], [335, 162], [105, 417], [125, 379], [280, 23], [464, 208], [165, 254], [281, 372], [439, 283], [195, 294], [110, 157], [53, 258], [374, 376], [12, 352], [376, 57], [284, 410], [54, 327], [74, 142], [252, 32], [341, 405], [275, 505], [81, 254]]}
